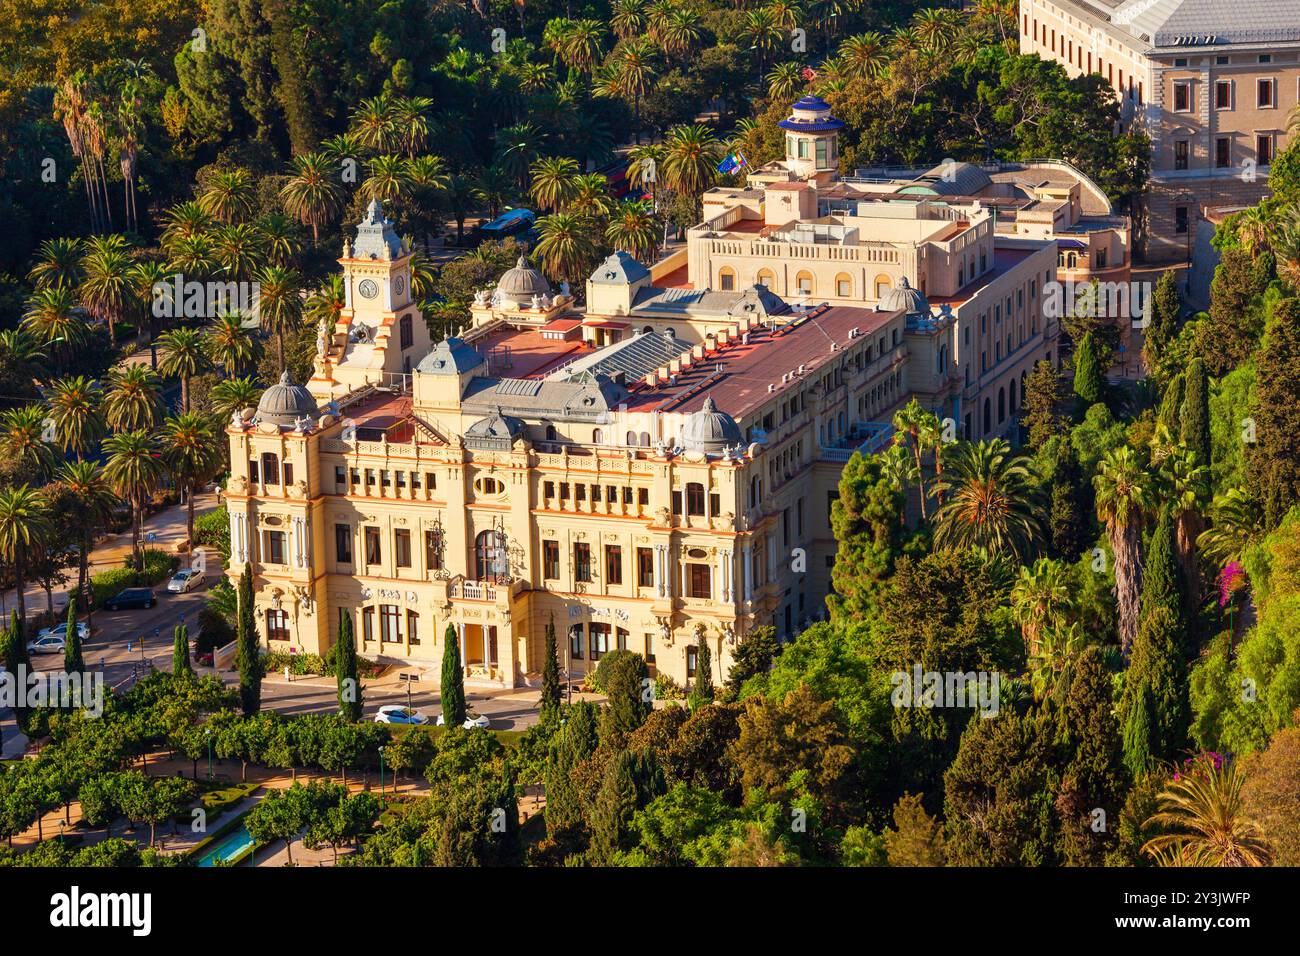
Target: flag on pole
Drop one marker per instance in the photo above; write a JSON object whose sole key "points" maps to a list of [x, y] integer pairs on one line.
{"points": [[732, 162]]}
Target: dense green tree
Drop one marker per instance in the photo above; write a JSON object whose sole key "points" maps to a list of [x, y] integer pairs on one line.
{"points": [[1195, 424], [1044, 396], [1089, 377], [248, 660], [702, 692], [1164, 312], [452, 689], [752, 656], [1171, 405], [345, 671], [181, 650], [1273, 463], [550, 697], [628, 688], [866, 518], [1155, 692], [73, 662], [1235, 316], [1071, 503]]}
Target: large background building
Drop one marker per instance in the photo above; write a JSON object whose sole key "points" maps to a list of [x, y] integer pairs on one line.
{"points": [[649, 471], [1211, 81]]}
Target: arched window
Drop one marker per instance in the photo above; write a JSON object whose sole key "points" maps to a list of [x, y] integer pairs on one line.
{"points": [[550, 433], [726, 279], [1002, 405], [883, 285], [631, 438], [988, 416], [843, 285], [766, 278], [804, 284], [645, 439], [598, 437], [649, 330], [1014, 405], [406, 332], [490, 562]]}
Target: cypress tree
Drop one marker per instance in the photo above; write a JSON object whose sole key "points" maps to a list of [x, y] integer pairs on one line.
{"points": [[550, 701], [1089, 380], [72, 657], [1162, 584], [575, 743], [14, 647], [345, 671], [248, 659], [1163, 312], [1071, 502], [1195, 430], [181, 651], [616, 803], [703, 690], [453, 681], [1273, 463], [1137, 733], [1171, 405], [1043, 396], [629, 703], [1157, 681]]}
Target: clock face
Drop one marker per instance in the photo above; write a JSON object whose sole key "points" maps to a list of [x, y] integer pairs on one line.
{"points": [[399, 284], [368, 288]]}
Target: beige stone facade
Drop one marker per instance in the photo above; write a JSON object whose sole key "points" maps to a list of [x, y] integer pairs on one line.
{"points": [[1212, 83]]}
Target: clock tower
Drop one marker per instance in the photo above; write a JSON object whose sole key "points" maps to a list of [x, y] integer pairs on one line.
{"points": [[380, 333]]}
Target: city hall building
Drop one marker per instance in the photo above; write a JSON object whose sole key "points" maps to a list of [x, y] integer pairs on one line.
{"points": [[651, 470]]}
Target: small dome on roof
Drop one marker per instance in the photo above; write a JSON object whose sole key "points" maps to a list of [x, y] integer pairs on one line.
{"points": [[903, 298], [710, 430], [285, 403], [450, 357], [497, 432], [523, 282]]}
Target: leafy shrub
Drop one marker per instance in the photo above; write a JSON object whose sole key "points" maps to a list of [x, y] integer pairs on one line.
{"points": [[213, 530], [158, 567], [668, 689], [598, 680], [106, 584], [214, 631]]}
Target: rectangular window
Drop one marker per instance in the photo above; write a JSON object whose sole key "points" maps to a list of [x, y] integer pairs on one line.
{"points": [[1180, 219], [367, 623], [575, 642], [1223, 94], [402, 547], [412, 627], [252, 470], [649, 648], [390, 631], [726, 280], [551, 560], [698, 581], [433, 550], [598, 639], [548, 489], [273, 547], [645, 567], [288, 474], [373, 552], [1222, 152], [1267, 93], [1264, 150], [270, 468], [343, 543], [582, 562], [340, 480], [692, 659], [1182, 149], [1183, 97], [695, 498], [613, 564], [277, 625]]}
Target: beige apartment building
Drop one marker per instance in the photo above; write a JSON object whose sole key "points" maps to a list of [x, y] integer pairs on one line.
{"points": [[1211, 81], [650, 470]]}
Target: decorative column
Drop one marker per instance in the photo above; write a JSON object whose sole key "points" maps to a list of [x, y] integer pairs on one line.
{"points": [[747, 559], [239, 536], [724, 572]]}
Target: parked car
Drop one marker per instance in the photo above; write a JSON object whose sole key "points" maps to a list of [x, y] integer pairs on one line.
{"points": [[50, 644], [185, 580], [131, 598], [471, 722], [61, 630], [396, 714]]}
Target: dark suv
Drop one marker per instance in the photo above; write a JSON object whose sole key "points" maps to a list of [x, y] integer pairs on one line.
{"points": [[131, 598]]}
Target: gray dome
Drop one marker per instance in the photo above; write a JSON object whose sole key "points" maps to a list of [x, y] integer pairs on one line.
{"points": [[284, 404], [710, 431], [903, 298], [523, 282], [497, 432], [451, 356]]}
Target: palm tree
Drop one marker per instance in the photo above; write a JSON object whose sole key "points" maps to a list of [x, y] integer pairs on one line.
{"points": [[281, 241], [193, 257], [863, 55], [691, 155], [1040, 600], [1058, 645], [937, 29], [58, 264], [991, 501], [74, 409], [918, 429], [591, 196], [191, 450], [517, 148], [185, 220], [23, 440], [20, 355], [1187, 488], [146, 277], [784, 80], [1124, 498], [232, 395], [1206, 820], [374, 122], [130, 127], [52, 320], [632, 228], [239, 250], [643, 166], [535, 77], [389, 180], [626, 18], [108, 288], [764, 33], [313, 194], [1236, 519], [24, 524], [228, 195], [553, 185], [494, 189], [581, 47], [184, 357], [635, 75], [133, 470], [565, 248], [411, 117], [326, 302], [133, 398], [679, 31], [95, 502], [279, 305], [229, 344]]}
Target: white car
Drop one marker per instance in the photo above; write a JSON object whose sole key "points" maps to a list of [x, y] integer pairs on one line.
{"points": [[61, 631], [396, 714], [186, 580], [470, 722], [51, 644]]}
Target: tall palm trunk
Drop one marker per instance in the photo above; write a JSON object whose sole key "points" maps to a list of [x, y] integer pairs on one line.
{"points": [[1126, 541]]}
